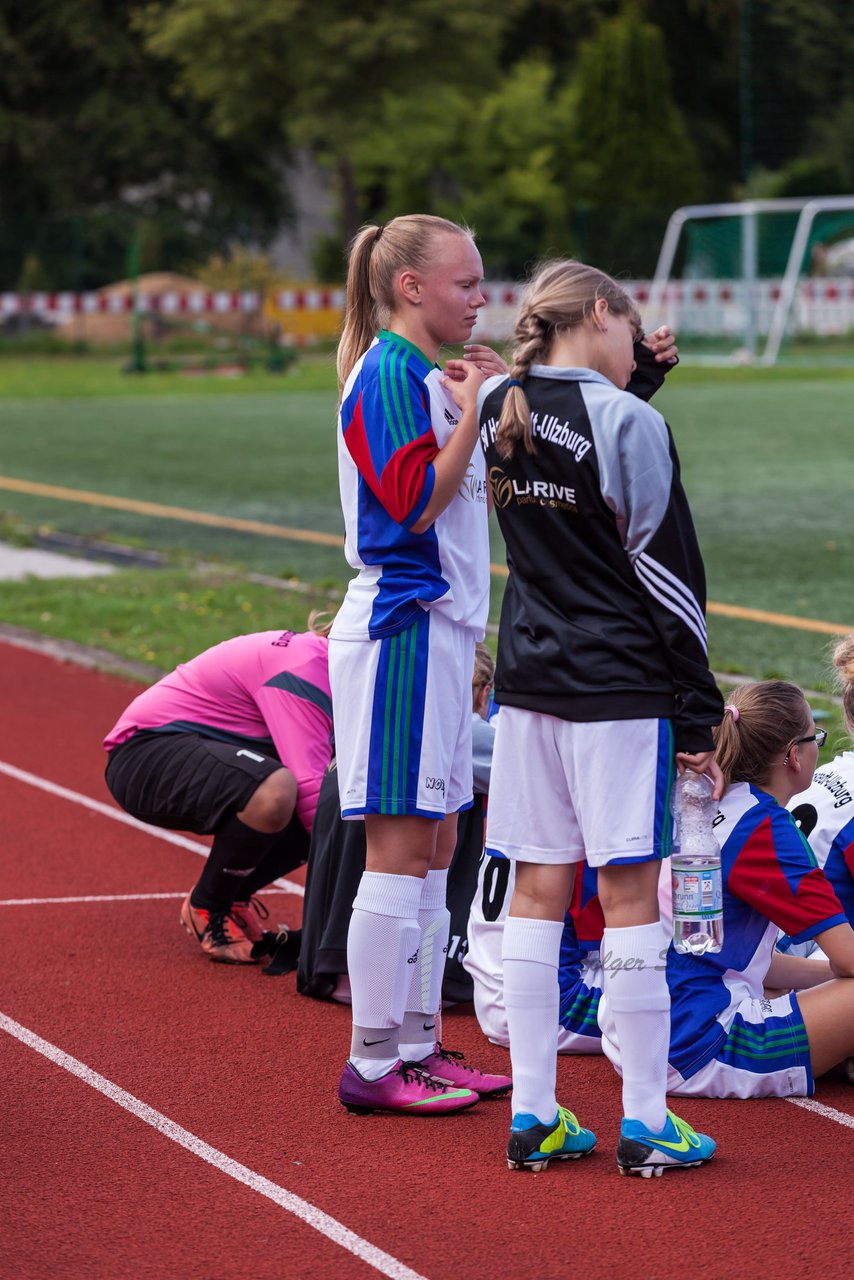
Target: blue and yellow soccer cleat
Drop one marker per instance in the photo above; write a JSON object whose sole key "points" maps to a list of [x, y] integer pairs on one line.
{"points": [[677, 1146], [532, 1144]]}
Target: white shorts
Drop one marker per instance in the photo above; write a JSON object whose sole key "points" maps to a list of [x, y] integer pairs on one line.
{"points": [[563, 791], [402, 709], [765, 1054]]}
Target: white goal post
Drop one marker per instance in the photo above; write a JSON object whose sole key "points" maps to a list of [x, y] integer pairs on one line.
{"points": [[808, 210]]}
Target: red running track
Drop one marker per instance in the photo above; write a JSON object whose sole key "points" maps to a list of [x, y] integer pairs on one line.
{"points": [[164, 1116]]}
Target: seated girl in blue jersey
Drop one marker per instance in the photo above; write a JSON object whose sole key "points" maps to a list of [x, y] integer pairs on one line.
{"points": [[728, 1040], [825, 811]]}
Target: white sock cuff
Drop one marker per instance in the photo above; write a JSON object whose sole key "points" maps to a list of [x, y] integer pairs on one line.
{"points": [[383, 894], [645, 945], [537, 940], [434, 890], [646, 1001], [634, 966]]}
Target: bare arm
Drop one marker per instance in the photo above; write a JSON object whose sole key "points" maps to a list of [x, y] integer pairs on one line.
{"points": [[796, 973], [838, 945]]}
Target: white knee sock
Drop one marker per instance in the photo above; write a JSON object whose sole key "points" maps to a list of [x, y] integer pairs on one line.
{"points": [[418, 1033], [530, 951], [637, 994], [383, 937]]}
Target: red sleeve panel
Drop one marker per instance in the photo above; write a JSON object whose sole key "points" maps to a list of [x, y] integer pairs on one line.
{"points": [[776, 873], [403, 481]]}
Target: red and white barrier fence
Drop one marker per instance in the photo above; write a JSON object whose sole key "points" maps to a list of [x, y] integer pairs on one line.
{"points": [[823, 306]]}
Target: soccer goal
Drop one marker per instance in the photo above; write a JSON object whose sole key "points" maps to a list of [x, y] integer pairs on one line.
{"points": [[732, 278]]}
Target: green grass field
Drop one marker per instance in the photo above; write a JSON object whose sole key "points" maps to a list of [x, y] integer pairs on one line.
{"points": [[765, 457]]}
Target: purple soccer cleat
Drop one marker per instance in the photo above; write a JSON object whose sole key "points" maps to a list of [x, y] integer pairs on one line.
{"points": [[449, 1066], [407, 1088]]}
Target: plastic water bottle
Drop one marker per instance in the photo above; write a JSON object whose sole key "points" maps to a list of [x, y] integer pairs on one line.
{"points": [[698, 922]]}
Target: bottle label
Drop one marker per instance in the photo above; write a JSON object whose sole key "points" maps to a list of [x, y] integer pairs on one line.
{"points": [[697, 893]]}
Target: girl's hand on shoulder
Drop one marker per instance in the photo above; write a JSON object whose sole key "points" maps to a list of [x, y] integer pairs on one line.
{"points": [[662, 344], [702, 762], [462, 382], [488, 361]]}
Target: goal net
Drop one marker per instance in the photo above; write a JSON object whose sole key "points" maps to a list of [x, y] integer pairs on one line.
{"points": [[737, 282]]}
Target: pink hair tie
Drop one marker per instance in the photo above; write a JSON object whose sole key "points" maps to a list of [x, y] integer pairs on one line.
{"points": [[732, 709]]}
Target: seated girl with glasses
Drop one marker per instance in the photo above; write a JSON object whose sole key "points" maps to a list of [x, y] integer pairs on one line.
{"points": [[727, 1038]]}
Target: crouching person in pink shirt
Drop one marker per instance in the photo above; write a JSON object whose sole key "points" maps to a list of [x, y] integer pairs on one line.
{"points": [[232, 744]]}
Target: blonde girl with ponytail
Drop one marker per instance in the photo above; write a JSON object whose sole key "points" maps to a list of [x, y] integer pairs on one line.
{"points": [[413, 493]]}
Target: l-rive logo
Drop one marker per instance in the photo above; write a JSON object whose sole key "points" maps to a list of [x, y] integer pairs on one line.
{"points": [[501, 486]]}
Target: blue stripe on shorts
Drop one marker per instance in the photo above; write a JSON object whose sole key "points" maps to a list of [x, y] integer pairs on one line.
{"points": [[665, 775], [772, 1045]]}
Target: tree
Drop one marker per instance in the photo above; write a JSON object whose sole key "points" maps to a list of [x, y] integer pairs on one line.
{"points": [[627, 150], [320, 73], [92, 141], [496, 168]]}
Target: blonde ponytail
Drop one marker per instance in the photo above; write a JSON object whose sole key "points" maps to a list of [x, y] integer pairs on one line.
{"points": [[843, 661], [361, 323]]}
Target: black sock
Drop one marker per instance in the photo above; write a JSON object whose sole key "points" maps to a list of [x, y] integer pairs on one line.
{"points": [[236, 854], [289, 850]]}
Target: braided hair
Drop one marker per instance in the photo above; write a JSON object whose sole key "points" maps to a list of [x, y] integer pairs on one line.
{"points": [[560, 296]]}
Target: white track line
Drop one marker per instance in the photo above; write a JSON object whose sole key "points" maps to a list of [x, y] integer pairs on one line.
{"points": [[104, 897], [819, 1109], [118, 815], [308, 1213]]}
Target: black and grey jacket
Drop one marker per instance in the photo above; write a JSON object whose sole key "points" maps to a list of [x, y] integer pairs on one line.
{"points": [[604, 612]]}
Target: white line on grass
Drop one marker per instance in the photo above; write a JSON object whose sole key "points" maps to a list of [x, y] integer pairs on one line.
{"points": [[308, 1213], [107, 811], [819, 1109]]}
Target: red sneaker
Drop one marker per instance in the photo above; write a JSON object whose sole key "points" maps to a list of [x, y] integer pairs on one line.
{"points": [[250, 916], [220, 937], [448, 1065]]}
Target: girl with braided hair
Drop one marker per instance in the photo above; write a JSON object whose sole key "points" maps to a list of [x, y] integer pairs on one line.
{"points": [[401, 652], [605, 689]]}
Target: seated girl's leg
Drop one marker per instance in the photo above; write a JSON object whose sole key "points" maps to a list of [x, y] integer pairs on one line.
{"points": [[828, 1014]]}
